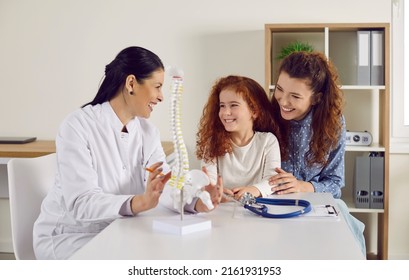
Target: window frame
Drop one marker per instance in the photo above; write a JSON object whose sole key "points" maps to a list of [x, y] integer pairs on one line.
{"points": [[400, 92]]}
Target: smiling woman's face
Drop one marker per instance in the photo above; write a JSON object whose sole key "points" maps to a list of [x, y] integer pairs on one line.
{"points": [[147, 95], [294, 97]]}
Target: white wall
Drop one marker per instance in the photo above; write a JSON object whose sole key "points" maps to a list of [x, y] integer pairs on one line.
{"points": [[53, 54]]}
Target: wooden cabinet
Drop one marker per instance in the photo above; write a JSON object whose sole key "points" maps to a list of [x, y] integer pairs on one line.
{"points": [[367, 106]]}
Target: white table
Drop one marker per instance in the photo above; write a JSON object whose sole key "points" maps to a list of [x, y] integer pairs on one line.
{"points": [[235, 234]]}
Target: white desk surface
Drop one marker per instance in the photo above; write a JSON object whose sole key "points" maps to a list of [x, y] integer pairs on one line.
{"points": [[240, 236]]}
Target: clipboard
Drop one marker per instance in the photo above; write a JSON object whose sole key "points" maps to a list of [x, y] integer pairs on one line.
{"points": [[322, 211]]}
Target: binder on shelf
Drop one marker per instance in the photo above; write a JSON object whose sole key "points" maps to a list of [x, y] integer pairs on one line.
{"points": [[362, 183], [377, 58], [364, 57], [377, 183]]}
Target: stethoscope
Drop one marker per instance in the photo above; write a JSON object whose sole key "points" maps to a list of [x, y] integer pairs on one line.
{"points": [[259, 206]]}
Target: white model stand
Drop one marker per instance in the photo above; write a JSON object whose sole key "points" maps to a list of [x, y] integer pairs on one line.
{"points": [[189, 224], [186, 185]]}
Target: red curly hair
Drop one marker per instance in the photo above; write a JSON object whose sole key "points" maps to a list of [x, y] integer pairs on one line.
{"points": [[212, 139], [328, 103]]}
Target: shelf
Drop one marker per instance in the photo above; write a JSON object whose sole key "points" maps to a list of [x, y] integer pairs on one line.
{"points": [[41, 148], [367, 107], [167, 147], [355, 87], [350, 87], [372, 148], [34, 149], [349, 201]]}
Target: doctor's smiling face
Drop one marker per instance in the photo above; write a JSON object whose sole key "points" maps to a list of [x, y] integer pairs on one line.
{"points": [[146, 94]]}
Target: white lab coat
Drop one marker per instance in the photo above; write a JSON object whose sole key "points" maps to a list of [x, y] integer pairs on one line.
{"points": [[98, 169]]}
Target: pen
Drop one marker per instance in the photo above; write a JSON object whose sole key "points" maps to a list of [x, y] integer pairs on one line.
{"points": [[150, 170]]}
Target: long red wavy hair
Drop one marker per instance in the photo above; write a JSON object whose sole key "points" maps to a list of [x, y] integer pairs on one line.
{"points": [[328, 103], [212, 139]]}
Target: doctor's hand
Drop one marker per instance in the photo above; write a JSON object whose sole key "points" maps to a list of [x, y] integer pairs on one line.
{"points": [[215, 191], [154, 187], [284, 182]]}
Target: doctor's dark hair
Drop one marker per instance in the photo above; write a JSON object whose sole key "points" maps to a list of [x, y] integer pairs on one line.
{"points": [[135, 61], [327, 103]]}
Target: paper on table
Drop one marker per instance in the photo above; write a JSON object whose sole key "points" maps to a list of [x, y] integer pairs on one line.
{"points": [[322, 211], [317, 211]]}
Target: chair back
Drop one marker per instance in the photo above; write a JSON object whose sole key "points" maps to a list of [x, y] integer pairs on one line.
{"points": [[30, 179]]}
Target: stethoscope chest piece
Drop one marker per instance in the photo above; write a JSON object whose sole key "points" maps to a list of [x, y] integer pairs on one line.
{"points": [[247, 199]]}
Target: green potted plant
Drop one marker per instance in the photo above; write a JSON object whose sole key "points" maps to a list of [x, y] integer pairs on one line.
{"points": [[296, 46]]}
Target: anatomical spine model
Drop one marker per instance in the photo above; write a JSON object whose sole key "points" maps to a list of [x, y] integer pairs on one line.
{"points": [[186, 184]]}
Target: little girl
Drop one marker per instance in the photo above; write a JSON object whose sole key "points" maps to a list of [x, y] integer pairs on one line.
{"points": [[235, 139]]}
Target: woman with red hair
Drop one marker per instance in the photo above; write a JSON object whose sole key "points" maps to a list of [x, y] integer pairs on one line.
{"points": [[307, 104]]}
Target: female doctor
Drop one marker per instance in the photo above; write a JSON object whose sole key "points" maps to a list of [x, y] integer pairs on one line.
{"points": [[103, 149]]}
